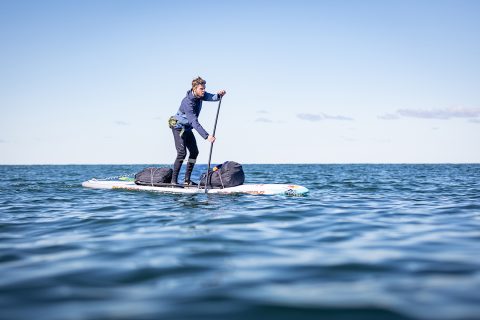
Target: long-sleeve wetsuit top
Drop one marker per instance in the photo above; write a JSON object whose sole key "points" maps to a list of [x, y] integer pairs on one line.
{"points": [[187, 115]]}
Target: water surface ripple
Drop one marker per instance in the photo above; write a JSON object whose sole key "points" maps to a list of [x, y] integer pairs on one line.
{"points": [[368, 242]]}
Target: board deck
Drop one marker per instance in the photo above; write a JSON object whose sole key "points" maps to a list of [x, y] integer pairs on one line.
{"points": [[267, 189]]}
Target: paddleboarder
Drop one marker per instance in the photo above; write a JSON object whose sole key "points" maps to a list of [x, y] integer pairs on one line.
{"points": [[182, 124]]}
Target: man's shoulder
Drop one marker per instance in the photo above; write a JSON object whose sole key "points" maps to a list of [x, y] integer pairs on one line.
{"points": [[188, 101]]}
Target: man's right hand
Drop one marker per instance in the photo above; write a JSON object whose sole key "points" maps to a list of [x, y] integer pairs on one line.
{"points": [[211, 138]]}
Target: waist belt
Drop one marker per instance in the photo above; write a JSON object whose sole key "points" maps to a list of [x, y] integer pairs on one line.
{"points": [[172, 123]]}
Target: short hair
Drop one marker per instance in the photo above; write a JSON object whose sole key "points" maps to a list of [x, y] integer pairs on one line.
{"points": [[198, 81]]}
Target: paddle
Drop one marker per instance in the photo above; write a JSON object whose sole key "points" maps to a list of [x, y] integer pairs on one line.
{"points": [[211, 146]]}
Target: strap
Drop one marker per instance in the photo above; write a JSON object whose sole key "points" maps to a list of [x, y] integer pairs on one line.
{"points": [[220, 176]]}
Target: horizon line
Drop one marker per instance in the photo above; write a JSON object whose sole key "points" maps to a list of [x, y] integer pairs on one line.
{"points": [[250, 163]]}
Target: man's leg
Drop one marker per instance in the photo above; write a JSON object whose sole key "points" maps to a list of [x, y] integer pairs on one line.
{"points": [[180, 145], [191, 144]]}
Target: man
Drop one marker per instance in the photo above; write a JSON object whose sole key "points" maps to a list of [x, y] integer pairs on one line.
{"points": [[182, 124]]}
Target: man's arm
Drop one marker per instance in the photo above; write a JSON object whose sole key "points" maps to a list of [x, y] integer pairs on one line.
{"points": [[210, 97], [213, 97], [193, 120]]}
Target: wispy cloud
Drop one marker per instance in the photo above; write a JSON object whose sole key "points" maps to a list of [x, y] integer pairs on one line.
{"points": [[446, 113], [262, 111], [389, 116], [439, 113], [474, 120], [2, 141], [122, 123], [321, 116], [329, 117], [309, 117], [265, 120]]}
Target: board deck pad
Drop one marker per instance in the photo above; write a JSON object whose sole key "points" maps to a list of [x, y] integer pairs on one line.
{"points": [[267, 189]]}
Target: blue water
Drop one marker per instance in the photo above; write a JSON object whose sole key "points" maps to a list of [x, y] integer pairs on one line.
{"points": [[368, 242]]}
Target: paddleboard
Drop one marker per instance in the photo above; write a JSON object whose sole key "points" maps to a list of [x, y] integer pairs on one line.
{"points": [[267, 189]]}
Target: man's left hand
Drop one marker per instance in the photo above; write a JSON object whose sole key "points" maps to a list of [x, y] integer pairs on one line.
{"points": [[221, 93]]}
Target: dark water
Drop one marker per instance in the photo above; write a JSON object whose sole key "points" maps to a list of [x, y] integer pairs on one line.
{"points": [[368, 242]]}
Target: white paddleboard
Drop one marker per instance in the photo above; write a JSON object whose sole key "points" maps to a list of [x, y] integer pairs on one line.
{"points": [[287, 189]]}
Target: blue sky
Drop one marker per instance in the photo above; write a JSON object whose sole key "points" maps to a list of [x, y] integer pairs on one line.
{"points": [[307, 81]]}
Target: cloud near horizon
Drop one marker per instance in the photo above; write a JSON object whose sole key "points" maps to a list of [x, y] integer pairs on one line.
{"points": [[264, 120], [321, 116], [389, 116], [264, 116], [442, 114]]}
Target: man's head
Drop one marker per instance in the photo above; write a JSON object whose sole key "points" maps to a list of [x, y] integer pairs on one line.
{"points": [[198, 87]]}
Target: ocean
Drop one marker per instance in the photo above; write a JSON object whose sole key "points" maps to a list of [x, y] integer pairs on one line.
{"points": [[398, 241]]}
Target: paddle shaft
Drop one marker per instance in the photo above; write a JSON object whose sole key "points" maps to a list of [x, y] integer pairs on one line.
{"points": [[211, 145]]}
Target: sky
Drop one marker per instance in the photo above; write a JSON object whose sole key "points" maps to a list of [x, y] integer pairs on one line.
{"points": [[94, 82]]}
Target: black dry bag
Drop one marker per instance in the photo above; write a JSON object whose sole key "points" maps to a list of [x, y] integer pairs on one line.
{"points": [[226, 175], [153, 176]]}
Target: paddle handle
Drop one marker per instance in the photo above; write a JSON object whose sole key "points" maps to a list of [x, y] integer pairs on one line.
{"points": [[211, 145]]}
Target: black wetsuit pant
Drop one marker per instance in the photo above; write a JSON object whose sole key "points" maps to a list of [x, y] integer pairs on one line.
{"points": [[182, 143]]}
